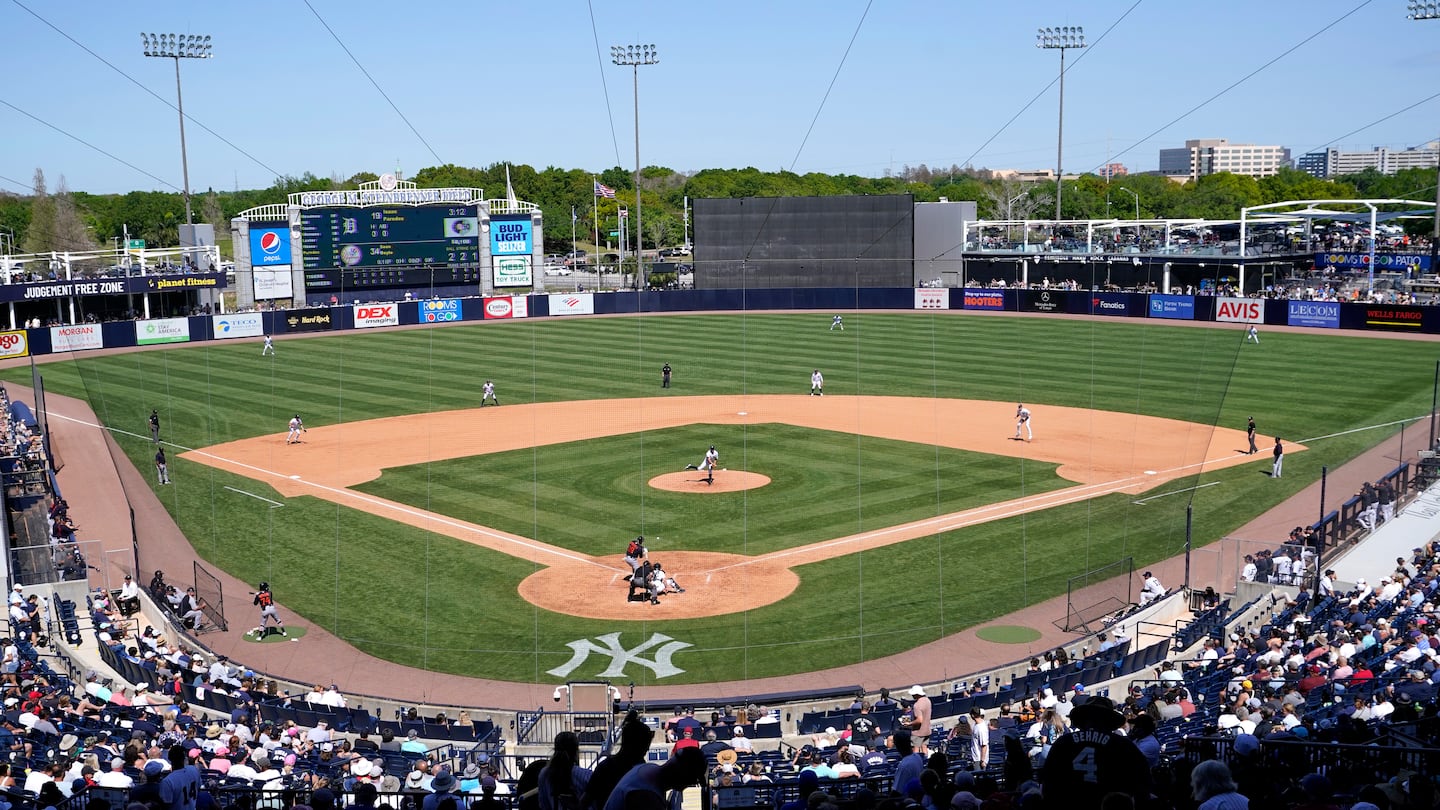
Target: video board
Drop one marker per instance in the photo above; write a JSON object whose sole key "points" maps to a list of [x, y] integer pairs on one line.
{"points": [[395, 237]]}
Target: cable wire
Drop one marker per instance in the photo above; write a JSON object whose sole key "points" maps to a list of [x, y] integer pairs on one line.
{"points": [[137, 83], [376, 84], [604, 88], [1242, 79], [80, 140]]}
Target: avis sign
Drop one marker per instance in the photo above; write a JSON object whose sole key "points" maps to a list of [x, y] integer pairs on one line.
{"points": [[1240, 310], [372, 315]]}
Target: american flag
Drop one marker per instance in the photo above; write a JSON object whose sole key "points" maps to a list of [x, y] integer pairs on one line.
{"points": [[602, 190]]}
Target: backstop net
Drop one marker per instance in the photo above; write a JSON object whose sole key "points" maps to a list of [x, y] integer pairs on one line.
{"points": [[211, 595], [1094, 595]]}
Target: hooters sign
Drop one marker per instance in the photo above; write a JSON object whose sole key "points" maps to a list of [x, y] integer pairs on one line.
{"points": [[369, 315], [1240, 310]]}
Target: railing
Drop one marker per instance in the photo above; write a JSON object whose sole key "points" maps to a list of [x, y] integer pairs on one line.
{"points": [[540, 727], [1384, 754]]}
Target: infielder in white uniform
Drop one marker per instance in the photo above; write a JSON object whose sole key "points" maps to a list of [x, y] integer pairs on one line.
{"points": [[487, 392], [1022, 420], [817, 384], [268, 348], [296, 428]]}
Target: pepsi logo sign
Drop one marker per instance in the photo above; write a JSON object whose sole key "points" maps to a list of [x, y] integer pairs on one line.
{"points": [[270, 243]]}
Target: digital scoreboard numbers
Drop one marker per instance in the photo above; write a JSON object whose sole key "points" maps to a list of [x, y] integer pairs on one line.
{"points": [[396, 237], [367, 278]]}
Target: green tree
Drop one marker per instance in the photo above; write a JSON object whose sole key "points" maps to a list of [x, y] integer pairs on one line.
{"points": [[40, 236]]}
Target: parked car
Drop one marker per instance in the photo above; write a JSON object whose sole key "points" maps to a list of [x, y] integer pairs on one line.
{"points": [[557, 270], [576, 254]]}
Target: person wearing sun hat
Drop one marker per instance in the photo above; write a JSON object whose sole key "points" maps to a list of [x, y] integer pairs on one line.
{"points": [[920, 712], [1092, 760]]}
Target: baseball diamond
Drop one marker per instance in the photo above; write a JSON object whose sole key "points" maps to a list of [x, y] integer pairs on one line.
{"points": [[898, 510]]}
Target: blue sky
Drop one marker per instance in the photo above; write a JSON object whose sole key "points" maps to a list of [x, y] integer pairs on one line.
{"points": [[737, 85]]}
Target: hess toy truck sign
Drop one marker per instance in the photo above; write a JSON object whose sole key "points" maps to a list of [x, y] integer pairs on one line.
{"points": [[370, 315]]}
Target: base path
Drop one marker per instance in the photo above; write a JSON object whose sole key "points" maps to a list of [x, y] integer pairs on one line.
{"points": [[1103, 452]]}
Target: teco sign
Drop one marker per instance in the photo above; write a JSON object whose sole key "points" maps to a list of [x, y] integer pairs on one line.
{"points": [[14, 344], [1240, 310], [369, 315]]}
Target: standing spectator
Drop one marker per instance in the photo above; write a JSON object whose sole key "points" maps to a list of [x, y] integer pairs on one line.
{"points": [[635, 739], [979, 740], [920, 712], [1094, 761]]}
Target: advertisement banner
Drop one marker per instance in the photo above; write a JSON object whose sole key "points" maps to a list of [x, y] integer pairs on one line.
{"points": [[1110, 303], [162, 330], [932, 298], [272, 282], [984, 299], [1042, 301], [512, 271], [1388, 262], [269, 244], [368, 316], [76, 338], [314, 319], [505, 306], [441, 310], [1240, 310], [1393, 317], [240, 325], [572, 304], [14, 344], [510, 235], [1324, 314], [1174, 307]]}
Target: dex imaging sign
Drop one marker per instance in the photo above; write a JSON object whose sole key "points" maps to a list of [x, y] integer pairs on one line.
{"points": [[371, 315]]}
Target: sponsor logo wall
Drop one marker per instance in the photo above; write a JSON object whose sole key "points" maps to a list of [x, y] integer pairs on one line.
{"points": [[1109, 303], [510, 235], [14, 344], [1325, 314], [508, 306], [1383, 261], [162, 330], [76, 338], [244, 324], [932, 298], [984, 299], [272, 282], [441, 310], [572, 304], [1394, 318], [368, 316], [1174, 307], [270, 244], [314, 319], [1042, 301], [512, 271], [1240, 310]]}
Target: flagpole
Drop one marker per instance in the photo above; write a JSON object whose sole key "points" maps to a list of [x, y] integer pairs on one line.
{"points": [[595, 214]]}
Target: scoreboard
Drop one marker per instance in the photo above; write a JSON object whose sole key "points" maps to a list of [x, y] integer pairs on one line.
{"points": [[396, 237], [366, 278]]}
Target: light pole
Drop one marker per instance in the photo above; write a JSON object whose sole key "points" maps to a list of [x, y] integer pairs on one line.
{"points": [[1012, 202], [1059, 39], [177, 47], [1137, 211], [1430, 11], [635, 56]]}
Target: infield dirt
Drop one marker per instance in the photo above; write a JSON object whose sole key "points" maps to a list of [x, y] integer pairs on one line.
{"points": [[1102, 452]]}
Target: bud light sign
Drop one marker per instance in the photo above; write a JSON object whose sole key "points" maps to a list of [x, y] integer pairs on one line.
{"points": [[269, 244], [441, 310], [510, 235]]}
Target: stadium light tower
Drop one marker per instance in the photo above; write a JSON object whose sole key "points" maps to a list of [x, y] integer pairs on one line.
{"points": [[1430, 11], [635, 56], [177, 47], [1058, 39]]}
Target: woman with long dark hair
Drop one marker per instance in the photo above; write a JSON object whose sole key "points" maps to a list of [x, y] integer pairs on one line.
{"points": [[563, 781]]}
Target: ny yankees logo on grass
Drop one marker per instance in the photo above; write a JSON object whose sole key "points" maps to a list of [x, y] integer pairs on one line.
{"points": [[620, 657]]}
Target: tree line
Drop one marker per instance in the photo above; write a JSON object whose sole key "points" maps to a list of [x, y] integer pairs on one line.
{"points": [[65, 220]]}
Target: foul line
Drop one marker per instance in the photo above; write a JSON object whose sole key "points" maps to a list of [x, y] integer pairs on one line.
{"points": [[1367, 427], [1177, 492], [273, 504]]}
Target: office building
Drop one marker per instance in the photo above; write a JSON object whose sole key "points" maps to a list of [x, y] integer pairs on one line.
{"points": [[1336, 162], [1200, 157]]}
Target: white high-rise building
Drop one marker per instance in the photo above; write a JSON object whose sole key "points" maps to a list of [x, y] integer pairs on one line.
{"points": [[1203, 156], [1335, 162]]}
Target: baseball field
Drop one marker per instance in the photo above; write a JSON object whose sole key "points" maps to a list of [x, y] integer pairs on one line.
{"points": [[893, 511]]}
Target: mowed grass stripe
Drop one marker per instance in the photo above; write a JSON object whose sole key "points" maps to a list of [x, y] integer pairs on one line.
{"points": [[402, 592]]}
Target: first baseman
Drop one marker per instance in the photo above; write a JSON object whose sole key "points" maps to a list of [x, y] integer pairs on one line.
{"points": [[1022, 419]]}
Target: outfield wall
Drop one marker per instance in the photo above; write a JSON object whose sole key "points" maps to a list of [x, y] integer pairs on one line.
{"points": [[1265, 312]]}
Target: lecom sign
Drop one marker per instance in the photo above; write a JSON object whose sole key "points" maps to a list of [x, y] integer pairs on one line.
{"points": [[370, 315]]}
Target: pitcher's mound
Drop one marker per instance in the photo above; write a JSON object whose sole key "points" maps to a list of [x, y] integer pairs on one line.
{"points": [[694, 481]]}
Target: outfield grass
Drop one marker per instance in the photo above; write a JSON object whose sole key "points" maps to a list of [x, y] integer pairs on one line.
{"points": [[435, 602]]}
